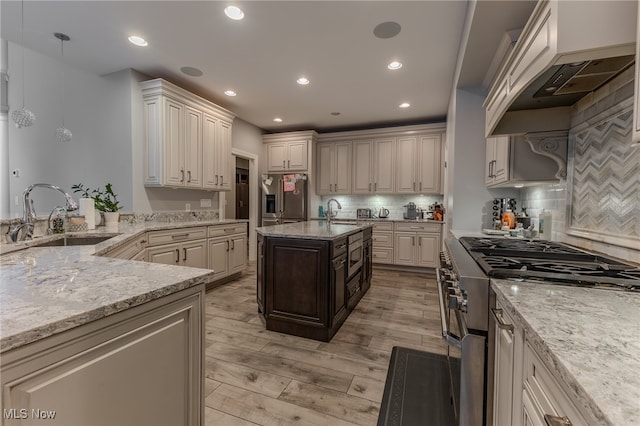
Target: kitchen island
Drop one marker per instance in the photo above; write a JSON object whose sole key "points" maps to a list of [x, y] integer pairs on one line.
{"points": [[310, 276], [587, 341]]}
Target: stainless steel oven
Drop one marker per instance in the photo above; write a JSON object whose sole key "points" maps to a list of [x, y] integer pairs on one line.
{"points": [[355, 253], [463, 292]]}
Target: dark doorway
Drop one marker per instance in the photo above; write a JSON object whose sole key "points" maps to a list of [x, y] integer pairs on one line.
{"points": [[242, 190]]}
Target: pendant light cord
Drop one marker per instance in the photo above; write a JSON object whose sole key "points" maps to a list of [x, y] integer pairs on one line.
{"points": [[22, 43]]}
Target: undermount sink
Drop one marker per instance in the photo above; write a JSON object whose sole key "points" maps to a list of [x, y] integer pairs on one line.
{"points": [[74, 241]]}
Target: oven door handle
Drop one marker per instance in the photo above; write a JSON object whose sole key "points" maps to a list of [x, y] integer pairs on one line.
{"points": [[450, 338]]}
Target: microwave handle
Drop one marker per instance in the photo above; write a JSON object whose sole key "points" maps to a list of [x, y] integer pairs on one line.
{"points": [[446, 335]]}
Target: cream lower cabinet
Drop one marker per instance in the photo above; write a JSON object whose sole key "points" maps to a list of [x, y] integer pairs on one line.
{"points": [[142, 366], [417, 244], [507, 374], [382, 248], [227, 249], [134, 249], [184, 247]]}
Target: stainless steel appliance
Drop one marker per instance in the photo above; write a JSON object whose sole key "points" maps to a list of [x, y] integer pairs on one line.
{"points": [[383, 213], [363, 213], [465, 299], [284, 198], [410, 211]]}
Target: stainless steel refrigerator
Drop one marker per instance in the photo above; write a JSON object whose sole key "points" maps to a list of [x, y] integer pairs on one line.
{"points": [[284, 198]]}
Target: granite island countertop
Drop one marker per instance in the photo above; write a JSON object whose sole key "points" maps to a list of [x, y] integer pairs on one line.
{"points": [[589, 340], [47, 290], [313, 230]]}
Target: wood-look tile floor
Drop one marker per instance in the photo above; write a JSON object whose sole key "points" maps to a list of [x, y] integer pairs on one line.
{"points": [[259, 377]]}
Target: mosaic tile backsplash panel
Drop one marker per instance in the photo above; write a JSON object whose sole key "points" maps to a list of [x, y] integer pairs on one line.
{"points": [[606, 178]]}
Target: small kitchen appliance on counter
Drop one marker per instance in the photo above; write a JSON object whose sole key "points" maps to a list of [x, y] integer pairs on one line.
{"points": [[383, 213], [410, 211], [363, 213]]}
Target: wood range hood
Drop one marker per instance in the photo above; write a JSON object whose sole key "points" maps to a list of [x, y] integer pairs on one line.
{"points": [[567, 50]]}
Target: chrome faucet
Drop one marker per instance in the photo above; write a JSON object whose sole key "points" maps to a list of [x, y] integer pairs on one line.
{"points": [[330, 210], [28, 220]]}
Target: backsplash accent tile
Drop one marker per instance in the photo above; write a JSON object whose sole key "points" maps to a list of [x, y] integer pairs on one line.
{"points": [[395, 203]]}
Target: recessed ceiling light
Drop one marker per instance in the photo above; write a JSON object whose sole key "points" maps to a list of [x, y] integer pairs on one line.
{"points": [[230, 93], [395, 65], [278, 120], [138, 41], [193, 72], [404, 105], [303, 81], [234, 13]]}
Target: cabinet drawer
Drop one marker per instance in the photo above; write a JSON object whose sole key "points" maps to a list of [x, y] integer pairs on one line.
{"points": [[232, 228], [546, 392], [385, 226], [382, 255], [176, 235], [382, 239], [418, 227]]}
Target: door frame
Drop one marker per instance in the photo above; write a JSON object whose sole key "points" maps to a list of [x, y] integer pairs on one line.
{"points": [[253, 197]]}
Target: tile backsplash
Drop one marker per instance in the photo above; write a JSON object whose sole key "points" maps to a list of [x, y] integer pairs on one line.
{"points": [[395, 203]]}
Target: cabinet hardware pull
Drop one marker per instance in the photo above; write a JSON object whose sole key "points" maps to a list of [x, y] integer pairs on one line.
{"points": [[330, 187], [283, 166], [175, 237], [182, 173], [229, 229], [497, 315], [189, 174], [216, 179], [227, 245], [288, 164], [233, 245], [415, 227], [335, 187], [221, 179], [369, 186], [419, 241], [340, 246], [375, 186], [413, 241], [184, 254], [414, 186], [420, 186], [177, 256], [143, 241], [557, 420]]}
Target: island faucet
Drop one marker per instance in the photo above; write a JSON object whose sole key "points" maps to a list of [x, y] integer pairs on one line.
{"points": [[28, 220], [330, 210]]}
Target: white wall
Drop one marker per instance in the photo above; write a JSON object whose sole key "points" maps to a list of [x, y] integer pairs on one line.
{"points": [[95, 112]]}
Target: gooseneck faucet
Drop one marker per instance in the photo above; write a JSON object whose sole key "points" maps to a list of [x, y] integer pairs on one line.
{"points": [[27, 223], [330, 210]]}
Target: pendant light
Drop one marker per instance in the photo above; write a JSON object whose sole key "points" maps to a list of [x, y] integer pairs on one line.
{"points": [[62, 133], [22, 117]]}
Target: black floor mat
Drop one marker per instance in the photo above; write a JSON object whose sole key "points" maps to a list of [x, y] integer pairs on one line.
{"points": [[416, 391]]}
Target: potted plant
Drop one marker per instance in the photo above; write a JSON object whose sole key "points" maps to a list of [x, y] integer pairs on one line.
{"points": [[104, 201]]}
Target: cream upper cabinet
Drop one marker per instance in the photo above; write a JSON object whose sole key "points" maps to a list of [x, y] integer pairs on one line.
{"points": [[374, 166], [636, 108], [497, 160], [187, 139], [419, 164], [217, 153], [334, 168], [290, 151]]}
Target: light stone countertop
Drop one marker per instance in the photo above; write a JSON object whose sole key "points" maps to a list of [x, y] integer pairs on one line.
{"points": [[589, 340], [47, 290], [377, 219], [312, 230]]}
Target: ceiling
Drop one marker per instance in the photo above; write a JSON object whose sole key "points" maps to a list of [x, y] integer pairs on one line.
{"points": [[260, 57]]}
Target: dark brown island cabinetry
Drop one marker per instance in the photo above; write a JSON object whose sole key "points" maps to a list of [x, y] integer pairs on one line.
{"points": [[303, 285]]}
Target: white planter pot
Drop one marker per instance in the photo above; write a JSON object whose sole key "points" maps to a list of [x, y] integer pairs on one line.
{"points": [[111, 219]]}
